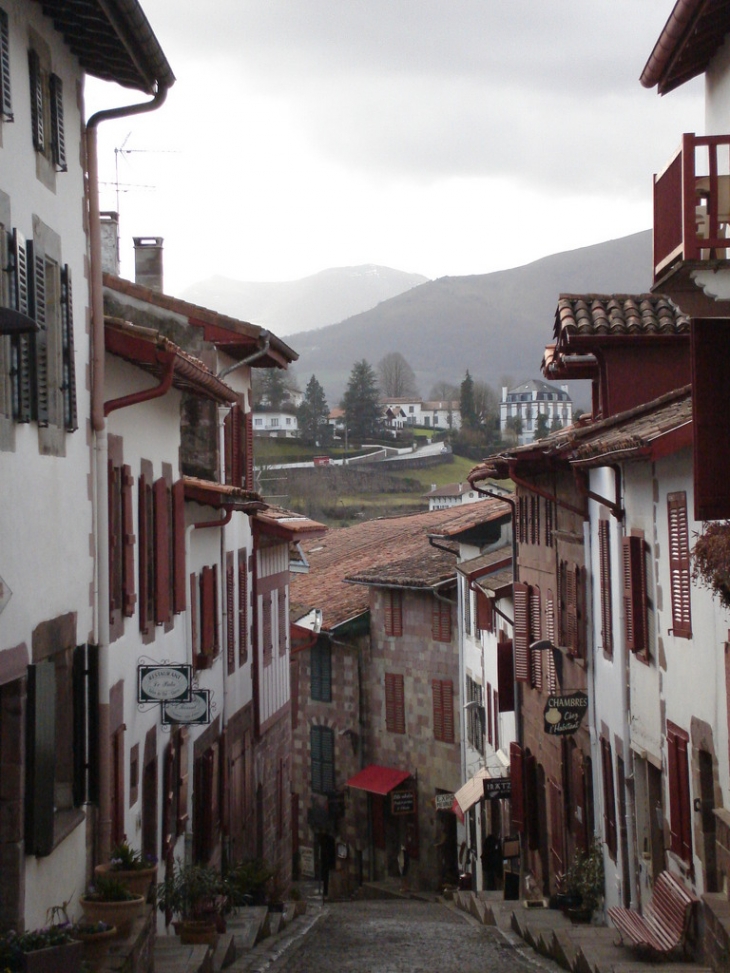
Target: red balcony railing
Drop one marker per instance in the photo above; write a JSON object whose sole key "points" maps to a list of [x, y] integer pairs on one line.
{"points": [[692, 203]]}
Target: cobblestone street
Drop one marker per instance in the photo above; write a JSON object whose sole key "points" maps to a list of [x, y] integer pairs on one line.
{"points": [[399, 937]]}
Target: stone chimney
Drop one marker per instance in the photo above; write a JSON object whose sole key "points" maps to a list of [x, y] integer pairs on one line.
{"points": [[109, 223], [148, 262]]}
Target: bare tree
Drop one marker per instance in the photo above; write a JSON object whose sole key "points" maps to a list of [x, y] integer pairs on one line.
{"points": [[396, 377], [486, 402], [444, 392]]}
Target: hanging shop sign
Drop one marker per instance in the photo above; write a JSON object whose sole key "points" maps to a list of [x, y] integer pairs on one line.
{"points": [[403, 802], [444, 802], [195, 711], [564, 714], [497, 788], [164, 683]]}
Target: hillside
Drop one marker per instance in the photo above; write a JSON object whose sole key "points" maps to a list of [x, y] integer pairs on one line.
{"points": [[495, 324], [311, 302]]}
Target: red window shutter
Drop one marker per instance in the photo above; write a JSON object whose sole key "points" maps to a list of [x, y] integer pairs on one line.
{"points": [[496, 711], [237, 434], [634, 587], [604, 556], [283, 620], [178, 547], [266, 628], [535, 635], [115, 541], [485, 612], [128, 539], [609, 798], [228, 448], [517, 777], [549, 522], [163, 577], [249, 452], [521, 597], [710, 346], [243, 633], [230, 615], [438, 710], [395, 719], [393, 612], [679, 564], [194, 604], [207, 611], [506, 676], [145, 508], [679, 792], [447, 697], [440, 621]]}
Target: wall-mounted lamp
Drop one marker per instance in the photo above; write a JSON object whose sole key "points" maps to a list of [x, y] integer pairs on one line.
{"points": [[14, 322], [545, 644], [471, 704]]}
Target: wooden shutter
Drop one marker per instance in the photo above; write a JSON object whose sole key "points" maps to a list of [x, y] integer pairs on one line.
{"points": [[517, 777], [569, 607], [79, 692], [393, 612], [230, 614], [163, 575], [21, 345], [40, 408], [679, 564], [283, 619], [506, 676], [129, 598], [549, 522], [604, 556], [579, 819], [116, 547], [322, 750], [552, 679], [179, 568], [243, 633], [182, 780], [145, 513], [58, 136], [488, 694], [194, 614], [443, 710], [485, 612], [395, 720], [41, 758], [266, 628], [710, 346], [521, 598], [440, 621], [36, 102], [535, 635], [249, 452], [679, 792], [609, 798], [6, 105], [68, 359], [208, 611], [634, 588], [237, 446]]}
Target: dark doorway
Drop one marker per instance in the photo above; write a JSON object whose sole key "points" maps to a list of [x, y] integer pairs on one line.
{"points": [[707, 798], [149, 795]]}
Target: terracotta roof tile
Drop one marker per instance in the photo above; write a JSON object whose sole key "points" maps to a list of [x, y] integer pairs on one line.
{"points": [[617, 314], [388, 547]]}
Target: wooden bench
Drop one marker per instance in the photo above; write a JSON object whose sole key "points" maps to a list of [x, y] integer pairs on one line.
{"points": [[664, 924]]}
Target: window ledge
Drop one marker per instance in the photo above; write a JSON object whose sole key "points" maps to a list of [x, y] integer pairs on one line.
{"points": [[66, 821]]}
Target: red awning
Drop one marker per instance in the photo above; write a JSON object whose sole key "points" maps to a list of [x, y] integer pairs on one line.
{"points": [[378, 780]]}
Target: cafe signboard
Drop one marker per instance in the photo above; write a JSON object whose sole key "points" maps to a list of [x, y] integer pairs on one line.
{"points": [[164, 683]]}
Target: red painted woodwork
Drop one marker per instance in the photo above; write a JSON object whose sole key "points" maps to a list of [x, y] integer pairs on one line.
{"points": [[179, 575], [711, 419]]}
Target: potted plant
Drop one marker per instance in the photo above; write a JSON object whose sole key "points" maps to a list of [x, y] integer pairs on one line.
{"points": [[196, 894], [245, 883], [50, 950], [583, 883], [109, 900], [96, 937], [128, 865], [300, 903]]}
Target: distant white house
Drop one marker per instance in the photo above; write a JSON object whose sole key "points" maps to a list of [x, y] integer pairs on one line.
{"points": [[456, 494], [401, 412], [277, 425], [528, 401]]}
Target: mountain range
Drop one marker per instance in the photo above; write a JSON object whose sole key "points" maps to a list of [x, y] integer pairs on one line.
{"points": [[298, 305], [496, 325]]}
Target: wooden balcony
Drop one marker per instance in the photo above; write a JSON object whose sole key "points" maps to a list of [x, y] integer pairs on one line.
{"points": [[692, 206]]}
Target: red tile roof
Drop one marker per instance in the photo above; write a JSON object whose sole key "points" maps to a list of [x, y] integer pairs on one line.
{"points": [[389, 550], [618, 314], [287, 524]]}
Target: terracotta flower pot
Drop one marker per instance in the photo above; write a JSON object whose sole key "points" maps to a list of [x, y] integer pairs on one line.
{"points": [[55, 959], [96, 945], [137, 880], [119, 914], [195, 931]]}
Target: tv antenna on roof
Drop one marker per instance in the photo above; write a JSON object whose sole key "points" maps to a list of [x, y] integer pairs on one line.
{"points": [[121, 150]]}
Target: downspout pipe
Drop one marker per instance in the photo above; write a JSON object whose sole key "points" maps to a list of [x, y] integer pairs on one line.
{"points": [[101, 448], [134, 398], [265, 339]]}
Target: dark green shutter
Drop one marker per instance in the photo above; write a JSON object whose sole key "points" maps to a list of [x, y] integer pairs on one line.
{"points": [[37, 263], [41, 758], [58, 138], [6, 107], [36, 102], [22, 346], [68, 373]]}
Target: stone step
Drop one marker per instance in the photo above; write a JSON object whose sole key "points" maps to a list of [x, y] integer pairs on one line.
{"points": [[171, 956]]}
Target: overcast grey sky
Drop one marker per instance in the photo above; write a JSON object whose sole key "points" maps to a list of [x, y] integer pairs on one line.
{"points": [[443, 137]]}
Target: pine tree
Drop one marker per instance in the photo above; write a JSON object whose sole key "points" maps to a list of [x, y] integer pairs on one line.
{"points": [[361, 402], [313, 415], [466, 402]]}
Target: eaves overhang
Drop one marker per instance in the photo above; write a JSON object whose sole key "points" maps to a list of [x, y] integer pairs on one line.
{"points": [[221, 496], [113, 41], [694, 32]]}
